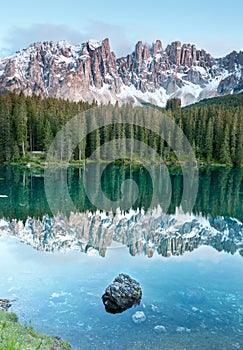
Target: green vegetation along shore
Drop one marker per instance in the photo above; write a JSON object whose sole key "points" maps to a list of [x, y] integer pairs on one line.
{"points": [[15, 336]]}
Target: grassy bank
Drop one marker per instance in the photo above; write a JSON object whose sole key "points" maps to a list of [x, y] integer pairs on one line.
{"points": [[15, 336]]}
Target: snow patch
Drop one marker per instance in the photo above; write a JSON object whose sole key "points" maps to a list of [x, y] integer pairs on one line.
{"points": [[201, 70], [131, 94], [64, 59], [3, 223], [94, 44]]}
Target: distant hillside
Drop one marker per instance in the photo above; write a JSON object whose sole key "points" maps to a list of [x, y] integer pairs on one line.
{"points": [[228, 100]]}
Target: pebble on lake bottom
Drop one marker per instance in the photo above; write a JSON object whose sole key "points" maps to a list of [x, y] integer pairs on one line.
{"points": [[138, 317]]}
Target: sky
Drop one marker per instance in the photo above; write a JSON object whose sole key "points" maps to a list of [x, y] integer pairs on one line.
{"points": [[215, 25]]}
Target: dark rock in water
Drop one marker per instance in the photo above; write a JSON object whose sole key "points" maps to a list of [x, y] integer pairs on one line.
{"points": [[5, 304], [123, 293]]}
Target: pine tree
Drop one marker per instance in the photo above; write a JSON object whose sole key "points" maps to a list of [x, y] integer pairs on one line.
{"points": [[173, 104], [209, 141], [239, 143], [6, 135], [48, 137], [178, 136], [233, 139], [225, 148], [20, 121]]}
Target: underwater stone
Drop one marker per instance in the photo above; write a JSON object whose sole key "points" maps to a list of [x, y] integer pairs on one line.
{"points": [[5, 304], [138, 317], [123, 293], [160, 329], [183, 329], [154, 308]]}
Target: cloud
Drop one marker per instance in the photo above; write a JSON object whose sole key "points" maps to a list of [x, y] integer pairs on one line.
{"points": [[19, 38]]}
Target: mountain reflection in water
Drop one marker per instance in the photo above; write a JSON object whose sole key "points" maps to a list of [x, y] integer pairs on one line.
{"points": [[141, 232], [164, 229]]}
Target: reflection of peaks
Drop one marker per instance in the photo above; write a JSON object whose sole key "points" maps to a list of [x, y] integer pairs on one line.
{"points": [[142, 233]]}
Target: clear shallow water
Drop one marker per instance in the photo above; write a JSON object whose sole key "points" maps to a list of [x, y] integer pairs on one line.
{"points": [[197, 297], [61, 294]]}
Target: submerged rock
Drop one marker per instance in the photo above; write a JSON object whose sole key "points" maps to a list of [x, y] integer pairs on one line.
{"points": [[160, 329], [123, 293], [138, 317], [183, 329], [5, 304], [154, 308]]}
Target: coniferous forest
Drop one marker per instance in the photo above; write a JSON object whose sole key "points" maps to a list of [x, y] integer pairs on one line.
{"points": [[214, 128]]}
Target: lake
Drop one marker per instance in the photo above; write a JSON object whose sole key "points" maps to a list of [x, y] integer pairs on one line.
{"points": [[56, 263]]}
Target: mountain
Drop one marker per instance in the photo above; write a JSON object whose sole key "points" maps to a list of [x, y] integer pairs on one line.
{"points": [[150, 74]]}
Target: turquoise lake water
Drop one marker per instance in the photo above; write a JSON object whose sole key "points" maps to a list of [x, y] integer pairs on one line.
{"points": [[196, 292]]}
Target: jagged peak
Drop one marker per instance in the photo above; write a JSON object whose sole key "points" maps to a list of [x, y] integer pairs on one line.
{"points": [[157, 47], [59, 45], [90, 70], [94, 44]]}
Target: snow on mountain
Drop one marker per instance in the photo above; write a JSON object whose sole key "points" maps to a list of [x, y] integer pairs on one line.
{"points": [[150, 74], [94, 44]]}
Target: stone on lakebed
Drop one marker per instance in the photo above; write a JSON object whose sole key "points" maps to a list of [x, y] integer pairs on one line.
{"points": [[138, 317], [160, 329], [5, 304], [122, 294]]}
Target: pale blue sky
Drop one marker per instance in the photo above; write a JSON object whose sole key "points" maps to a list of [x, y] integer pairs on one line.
{"points": [[216, 25]]}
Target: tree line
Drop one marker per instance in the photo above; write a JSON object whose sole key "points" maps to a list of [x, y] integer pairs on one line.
{"points": [[30, 123], [213, 127]]}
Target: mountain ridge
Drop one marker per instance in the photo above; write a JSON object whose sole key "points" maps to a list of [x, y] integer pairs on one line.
{"points": [[150, 74]]}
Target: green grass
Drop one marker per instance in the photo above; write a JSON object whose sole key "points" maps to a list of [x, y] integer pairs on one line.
{"points": [[15, 336]]}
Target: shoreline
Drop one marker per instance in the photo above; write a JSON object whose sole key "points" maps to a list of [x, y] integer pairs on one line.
{"points": [[127, 162], [16, 336]]}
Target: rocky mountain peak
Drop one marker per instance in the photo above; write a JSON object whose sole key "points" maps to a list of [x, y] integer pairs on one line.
{"points": [[174, 52], [157, 47], [149, 74], [94, 44]]}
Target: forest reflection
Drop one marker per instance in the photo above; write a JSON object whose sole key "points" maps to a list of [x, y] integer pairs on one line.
{"points": [[220, 190]]}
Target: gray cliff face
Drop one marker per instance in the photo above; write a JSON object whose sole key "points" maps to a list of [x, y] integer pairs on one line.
{"points": [[61, 70], [149, 69], [149, 74]]}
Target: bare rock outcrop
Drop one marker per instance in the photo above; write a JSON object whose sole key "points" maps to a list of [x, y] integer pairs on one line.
{"points": [[91, 71]]}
